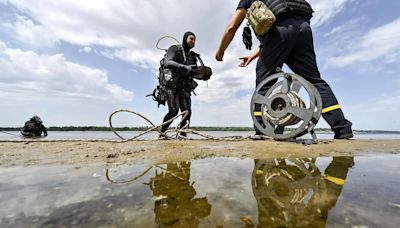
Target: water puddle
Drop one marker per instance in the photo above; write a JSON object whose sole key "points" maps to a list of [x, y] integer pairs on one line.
{"points": [[224, 192]]}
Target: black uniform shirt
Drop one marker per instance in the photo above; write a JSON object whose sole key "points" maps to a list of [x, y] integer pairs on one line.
{"points": [[245, 4], [283, 8]]}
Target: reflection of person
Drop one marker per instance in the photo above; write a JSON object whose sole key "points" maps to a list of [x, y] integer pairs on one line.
{"points": [[335, 175], [289, 41], [34, 128], [294, 193], [175, 205], [182, 63]]}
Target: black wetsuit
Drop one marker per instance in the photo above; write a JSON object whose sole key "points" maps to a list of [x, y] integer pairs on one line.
{"points": [[290, 41], [179, 91], [33, 129]]}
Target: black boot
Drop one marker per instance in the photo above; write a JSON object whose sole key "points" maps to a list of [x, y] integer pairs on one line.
{"points": [[345, 133]]}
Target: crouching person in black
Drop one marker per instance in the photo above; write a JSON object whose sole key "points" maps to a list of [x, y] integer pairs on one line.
{"points": [[183, 64], [34, 128]]}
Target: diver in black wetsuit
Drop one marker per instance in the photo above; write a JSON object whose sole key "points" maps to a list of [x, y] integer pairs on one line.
{"points": [[182, 62], [34, 128]]}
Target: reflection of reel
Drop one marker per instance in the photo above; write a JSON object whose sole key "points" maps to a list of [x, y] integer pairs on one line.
{"points": [[288, 192], [282, 106]]}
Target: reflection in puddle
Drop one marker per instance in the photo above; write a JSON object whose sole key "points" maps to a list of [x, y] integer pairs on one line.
{"points": [[294, 192], [175, 202], [227, 192]]}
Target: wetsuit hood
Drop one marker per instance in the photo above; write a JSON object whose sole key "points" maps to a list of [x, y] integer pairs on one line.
{"points": [[184, 41], [36, 119]]}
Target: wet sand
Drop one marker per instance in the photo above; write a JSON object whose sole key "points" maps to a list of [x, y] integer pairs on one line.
{"points": [[168, 151]]}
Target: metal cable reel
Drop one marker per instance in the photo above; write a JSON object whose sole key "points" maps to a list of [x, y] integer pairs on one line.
{"points": [[283, 105]]}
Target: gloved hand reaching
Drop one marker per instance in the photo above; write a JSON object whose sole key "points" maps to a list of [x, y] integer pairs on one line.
{"points": [[190, 69]]}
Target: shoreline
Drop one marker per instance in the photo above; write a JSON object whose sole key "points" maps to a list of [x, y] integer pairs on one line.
{"points": [[202, 129], [169, 151]]}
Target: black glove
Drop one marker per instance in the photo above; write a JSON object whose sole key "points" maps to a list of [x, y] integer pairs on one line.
{"points": [[190, 69], [202, 73], [207, 75], [247, 39]]}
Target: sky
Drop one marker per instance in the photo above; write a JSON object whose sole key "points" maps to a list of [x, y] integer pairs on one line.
{"points": [[75, 62]]}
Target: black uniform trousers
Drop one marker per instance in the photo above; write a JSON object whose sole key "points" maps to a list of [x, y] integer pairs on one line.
{"points": [[177, 100], [290, 41]]}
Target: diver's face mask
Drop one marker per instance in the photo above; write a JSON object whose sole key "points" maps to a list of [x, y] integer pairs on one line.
{"points": [[191, 41]]}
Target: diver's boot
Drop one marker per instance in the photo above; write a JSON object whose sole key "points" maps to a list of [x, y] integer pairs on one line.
{"points": [[345, 133], [161, 136], [182, 135]]}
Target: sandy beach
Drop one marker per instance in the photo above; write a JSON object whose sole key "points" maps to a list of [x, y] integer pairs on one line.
{"points": [[167, 151]]}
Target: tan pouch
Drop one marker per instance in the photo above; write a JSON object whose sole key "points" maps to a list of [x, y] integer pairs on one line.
{"points": [[260, 17]]}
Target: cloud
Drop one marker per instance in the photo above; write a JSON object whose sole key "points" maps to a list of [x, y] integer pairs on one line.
{"points": [[345, 31], [54, 74], [337, 40], [32, 35], [373, 114], [224, 85], [128, 31], [326, 10], [86, 50], [233, 111], [142, 58], [218, 104], [29, 79], [129, 27], [379, 44]]}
